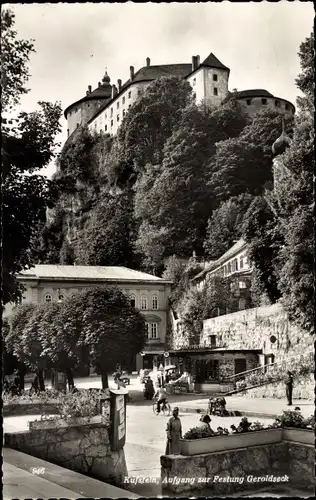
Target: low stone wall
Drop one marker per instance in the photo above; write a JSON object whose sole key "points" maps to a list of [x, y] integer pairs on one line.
{"points": [[304, 387], [222, 473], [85, 449]]}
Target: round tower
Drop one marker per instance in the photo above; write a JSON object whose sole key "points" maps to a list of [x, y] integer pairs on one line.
{"points": [[80, 112]]}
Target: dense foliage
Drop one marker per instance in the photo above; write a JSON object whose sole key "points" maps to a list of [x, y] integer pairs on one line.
{"points": [[27, 145]]}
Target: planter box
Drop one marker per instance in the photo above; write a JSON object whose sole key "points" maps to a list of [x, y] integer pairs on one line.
{"points": [[233, 441], [304, 436], [62, 423]]}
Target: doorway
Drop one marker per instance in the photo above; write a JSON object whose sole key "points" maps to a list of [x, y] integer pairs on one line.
{"points": [[240, 365]]}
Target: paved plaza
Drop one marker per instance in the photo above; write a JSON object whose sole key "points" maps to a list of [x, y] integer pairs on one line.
{"points": [[146, 432]]}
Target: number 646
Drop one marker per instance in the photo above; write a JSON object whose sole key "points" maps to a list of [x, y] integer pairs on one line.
{"points": [[38, 470]]}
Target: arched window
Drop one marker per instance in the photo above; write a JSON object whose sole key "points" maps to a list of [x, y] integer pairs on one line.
{"points": [[48, 297], [155, 302], [132, 299], [143, 302]]}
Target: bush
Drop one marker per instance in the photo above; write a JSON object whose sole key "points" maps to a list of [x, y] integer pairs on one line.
{"points": [[198, 433], [294, 419]]}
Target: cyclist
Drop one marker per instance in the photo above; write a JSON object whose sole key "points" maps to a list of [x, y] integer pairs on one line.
{"points": [[161, 396]]}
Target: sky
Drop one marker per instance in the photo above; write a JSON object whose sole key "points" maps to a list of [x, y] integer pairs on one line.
{"points": [[75, 43]]}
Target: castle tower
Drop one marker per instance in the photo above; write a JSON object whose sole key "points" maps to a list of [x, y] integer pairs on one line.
{"points": [[80, 112], [209, 80]]}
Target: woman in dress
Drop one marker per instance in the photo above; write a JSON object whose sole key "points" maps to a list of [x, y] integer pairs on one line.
{"points": [[174, 434]]}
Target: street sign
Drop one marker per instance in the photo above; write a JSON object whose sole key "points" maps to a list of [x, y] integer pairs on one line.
{"points": [[166, 354]]}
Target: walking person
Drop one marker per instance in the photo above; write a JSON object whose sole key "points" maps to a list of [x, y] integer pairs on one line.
{"points": [[161, 396], [289, 387], [174, 434]]}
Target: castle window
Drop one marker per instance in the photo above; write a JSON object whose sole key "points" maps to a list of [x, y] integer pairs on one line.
{"points": [[286, 106], [277, 103], [132, 300], [143, 302], [155, 302], [111, 123], [48, 297], [129, 94], [194, 95], [118, 118], [248, 102], [111, 111], [214, 78], [123, 99], [124, 112], [194, 81], [215, 91], [263, 101], [106, 127], [118, 104], [139, 92]]}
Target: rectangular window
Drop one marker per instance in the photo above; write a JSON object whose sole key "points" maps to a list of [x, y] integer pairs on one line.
{"points": [[248, 102], [111, 111], [118, 118], [214, 78], [277, 103], [212, 340], [133, 301], [124, 99], [215, 91], [129, 94], [118, 104], [154, 331], [194, 81], [263, 101], [111, 123]]}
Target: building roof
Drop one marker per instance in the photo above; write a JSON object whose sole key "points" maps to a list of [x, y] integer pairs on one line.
{"points": [[148, 74], [102, 92], [254, 93], [212, 62], [239, 245], [94, 273]]}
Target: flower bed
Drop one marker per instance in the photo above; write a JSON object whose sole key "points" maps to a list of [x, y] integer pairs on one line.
{"points": [[290, 426]]}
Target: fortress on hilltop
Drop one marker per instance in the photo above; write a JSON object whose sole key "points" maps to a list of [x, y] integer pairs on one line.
{"points": [[104, 108]]}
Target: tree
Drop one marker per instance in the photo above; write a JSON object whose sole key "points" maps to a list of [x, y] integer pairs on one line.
{"points": [[15, 55], [107, 236], [26, 147], [263, 243], [105, 324], [150, 121], [225, 225], [306, 79]]}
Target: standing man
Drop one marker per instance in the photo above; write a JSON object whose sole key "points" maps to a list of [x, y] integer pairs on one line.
{"points": [[174, 434], [289, 387]]}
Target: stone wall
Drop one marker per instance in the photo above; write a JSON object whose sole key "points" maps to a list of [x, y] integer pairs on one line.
{"points": [[85, 449], [303, 388], [253, 328], [223, 473]]}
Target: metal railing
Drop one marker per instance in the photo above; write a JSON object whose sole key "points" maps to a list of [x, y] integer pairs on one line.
{"points": [[264, 368]]}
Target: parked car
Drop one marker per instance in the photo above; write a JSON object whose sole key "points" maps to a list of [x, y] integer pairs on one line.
{"points": [[143, 375]]}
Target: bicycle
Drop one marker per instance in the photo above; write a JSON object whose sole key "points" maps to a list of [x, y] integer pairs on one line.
{"points": [[165, 408]]}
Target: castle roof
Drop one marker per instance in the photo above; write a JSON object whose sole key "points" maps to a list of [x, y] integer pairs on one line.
{"points": [[148, 74], [253, 93], [212, 62]]}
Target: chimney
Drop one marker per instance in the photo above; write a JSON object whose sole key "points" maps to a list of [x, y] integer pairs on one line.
{"points": [[89, 89], [194, 65], [197, 58], [147, 62], [114, 91], [131, 68], [119, 84], [87, 92]]}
